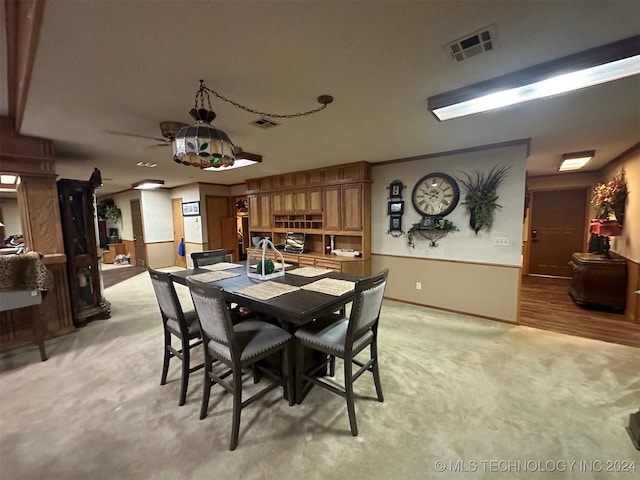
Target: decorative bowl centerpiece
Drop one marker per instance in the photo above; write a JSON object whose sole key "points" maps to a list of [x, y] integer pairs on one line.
{"points": [[265, 269]]}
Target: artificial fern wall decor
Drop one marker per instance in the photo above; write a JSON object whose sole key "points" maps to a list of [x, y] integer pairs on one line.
{"points": [[481, 199]]}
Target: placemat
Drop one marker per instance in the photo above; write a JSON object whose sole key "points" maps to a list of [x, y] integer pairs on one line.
{"points": [[220, 266], [309, 271], [330, 286], [213, 276], [266, 290]]}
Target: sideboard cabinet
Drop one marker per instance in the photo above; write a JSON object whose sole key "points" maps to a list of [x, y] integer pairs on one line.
{"points": [[598, 281]]}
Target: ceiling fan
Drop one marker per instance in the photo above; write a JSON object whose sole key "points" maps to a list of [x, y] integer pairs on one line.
{"points": [[168, 131]]}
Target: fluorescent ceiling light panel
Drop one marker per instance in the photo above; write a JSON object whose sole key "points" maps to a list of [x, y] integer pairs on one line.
{"points": [[148, 184], [575, 161], [8, 178], [592, 67], [243, 159]]}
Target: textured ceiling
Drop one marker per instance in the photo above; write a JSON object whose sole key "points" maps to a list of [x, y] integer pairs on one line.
{"points": [[103, 67]]}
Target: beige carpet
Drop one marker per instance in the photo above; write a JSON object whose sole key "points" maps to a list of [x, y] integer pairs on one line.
{"points": [[457, 389]]}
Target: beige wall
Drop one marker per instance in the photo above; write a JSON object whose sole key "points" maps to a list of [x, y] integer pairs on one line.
{"points": [[160, 254], [490, 291], [466, 272]]}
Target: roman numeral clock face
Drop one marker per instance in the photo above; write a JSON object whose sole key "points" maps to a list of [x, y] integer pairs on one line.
{"points": [[435, 194]]}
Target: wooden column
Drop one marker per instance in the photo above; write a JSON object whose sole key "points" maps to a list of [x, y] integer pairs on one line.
{"points": [[32, 160]]}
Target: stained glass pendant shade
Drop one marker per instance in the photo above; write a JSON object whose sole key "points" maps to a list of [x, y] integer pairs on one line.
{"points": [[201, 144]]}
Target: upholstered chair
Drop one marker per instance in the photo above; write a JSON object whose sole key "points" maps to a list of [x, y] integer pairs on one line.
{"points": [[184, 326], [208, 257], [344, 337], [238, 347]]}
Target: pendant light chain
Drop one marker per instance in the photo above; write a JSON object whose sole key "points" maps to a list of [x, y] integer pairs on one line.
{"points": [[323, 99]]}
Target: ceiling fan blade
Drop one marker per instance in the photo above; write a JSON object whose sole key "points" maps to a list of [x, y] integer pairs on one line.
{"points": [[164, 140], [166, 144]]}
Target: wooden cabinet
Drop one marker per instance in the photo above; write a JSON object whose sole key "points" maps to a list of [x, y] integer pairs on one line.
{"points": [[598, 281], [259, 211], [331, 206], [314, 204], [115, 249], [77, 212], [352, 205]]}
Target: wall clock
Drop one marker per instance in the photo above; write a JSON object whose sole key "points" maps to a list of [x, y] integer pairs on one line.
{"points": [[435, 194]]}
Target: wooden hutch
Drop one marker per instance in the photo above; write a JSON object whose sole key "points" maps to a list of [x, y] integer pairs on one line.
{"points": [[332, 202]]}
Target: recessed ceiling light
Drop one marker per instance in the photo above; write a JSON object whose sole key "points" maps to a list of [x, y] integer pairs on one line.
{"points": [[148, 184], [575, 161]]}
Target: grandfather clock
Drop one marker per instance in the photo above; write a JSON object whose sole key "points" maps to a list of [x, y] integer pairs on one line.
{"points": [[78, 214]]}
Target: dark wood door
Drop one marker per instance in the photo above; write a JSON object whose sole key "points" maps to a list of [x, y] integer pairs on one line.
{"points": [[557, 230], [217, 209], [138, 233]]}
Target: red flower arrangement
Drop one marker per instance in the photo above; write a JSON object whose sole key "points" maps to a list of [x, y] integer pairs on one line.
{"points": [[610, 198]]}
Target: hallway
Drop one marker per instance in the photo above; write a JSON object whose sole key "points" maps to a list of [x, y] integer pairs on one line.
{"points": [[545, 303]]}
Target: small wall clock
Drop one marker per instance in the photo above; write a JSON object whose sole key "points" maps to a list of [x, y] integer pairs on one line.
{"points": [[435, 194]]}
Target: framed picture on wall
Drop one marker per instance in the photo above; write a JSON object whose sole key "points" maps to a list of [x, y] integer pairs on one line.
{"points": [[190, 209], [395, 189], [395, 223], [395, 207]]}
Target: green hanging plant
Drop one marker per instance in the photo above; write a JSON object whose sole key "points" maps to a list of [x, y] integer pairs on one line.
{"points": [[481, 199], [113, 214], [438, 227]]}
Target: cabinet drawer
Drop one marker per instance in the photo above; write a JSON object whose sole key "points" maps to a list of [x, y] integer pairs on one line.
{"points": [[306, 262], [331, 264]]}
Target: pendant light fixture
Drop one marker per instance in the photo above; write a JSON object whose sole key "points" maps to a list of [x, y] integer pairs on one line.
{"points": [[204, 146]]}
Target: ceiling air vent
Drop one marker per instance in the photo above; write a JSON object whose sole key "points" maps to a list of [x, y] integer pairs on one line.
{"points": [[473, 44], [264, 123]]}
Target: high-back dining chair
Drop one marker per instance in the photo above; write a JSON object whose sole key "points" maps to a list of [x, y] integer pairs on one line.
{"points": [[342, 337], [208, 257], [238, 347], [176, 323]]}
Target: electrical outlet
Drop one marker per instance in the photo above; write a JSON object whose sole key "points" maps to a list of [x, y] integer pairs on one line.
{"points": [[501, 241], [418, 285]]}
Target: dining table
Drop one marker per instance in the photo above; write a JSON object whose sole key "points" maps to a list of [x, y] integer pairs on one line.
{"points": [[308, 294], [292, 309]]}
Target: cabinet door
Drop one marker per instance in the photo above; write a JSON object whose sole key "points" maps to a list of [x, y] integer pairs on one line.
{"points": [[265, 210], [351, 200], [276, 203], [300, 201], [254, 211], [331, 208], [288, 204], [314, 204]]}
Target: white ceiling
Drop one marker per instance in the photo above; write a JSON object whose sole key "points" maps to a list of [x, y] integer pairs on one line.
{"points": [[124, 66]]}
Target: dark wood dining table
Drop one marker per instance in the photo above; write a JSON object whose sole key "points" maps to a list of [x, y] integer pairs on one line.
{"points": [[292, 309]]}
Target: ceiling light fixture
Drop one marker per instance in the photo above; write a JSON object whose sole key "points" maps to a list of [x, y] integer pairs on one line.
{"points": [[204, 146], [584, 69], [148, 184], [576, 160]]}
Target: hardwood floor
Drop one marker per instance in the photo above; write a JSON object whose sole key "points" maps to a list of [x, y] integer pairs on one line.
{"points": [[545, 303], [116, 275]]}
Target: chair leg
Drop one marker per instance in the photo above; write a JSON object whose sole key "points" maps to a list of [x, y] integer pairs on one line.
{"points": [[348, 384], [237, 408], [299, 371], [167, 357], [206, 392], [375, 371], [186, 361], [332, 366]]}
